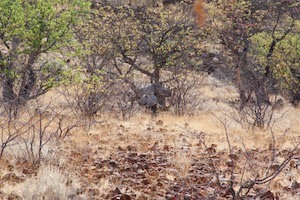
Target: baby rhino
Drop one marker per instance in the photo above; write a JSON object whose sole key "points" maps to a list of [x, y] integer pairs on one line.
{"points": [[149, 101], [153, 95]]}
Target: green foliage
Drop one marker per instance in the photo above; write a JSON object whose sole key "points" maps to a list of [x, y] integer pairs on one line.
{"points": [[39, 25], [262, 32], [260, 41], [164, 39], [285, 59], [287, 63], [12, 19], [53, 74], [28, 30], [92, 93]]}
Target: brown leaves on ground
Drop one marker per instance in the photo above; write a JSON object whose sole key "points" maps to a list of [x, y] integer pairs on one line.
{"points": [[154, 160]]}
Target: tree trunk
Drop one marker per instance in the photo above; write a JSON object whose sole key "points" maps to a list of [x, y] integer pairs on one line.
{"points": [[29, 80], [242, 94], [8, 80], [28, 83], [9, 97], [155, 77]]}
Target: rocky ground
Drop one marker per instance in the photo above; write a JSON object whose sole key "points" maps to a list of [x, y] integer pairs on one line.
{"points": [[165, 158]]}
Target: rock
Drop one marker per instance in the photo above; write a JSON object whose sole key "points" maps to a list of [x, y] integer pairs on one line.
{"points": [[13, 197], [145, 182], [93, 167], [117, 191], [125, 197], [142, 197], [113, 164], [159, 123], [215, 59], [267, 195], [131, 148], [12, 177], [93, 192], [295, 186]]}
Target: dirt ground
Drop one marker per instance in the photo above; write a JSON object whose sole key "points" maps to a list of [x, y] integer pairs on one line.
{"points": [[163, 157]]}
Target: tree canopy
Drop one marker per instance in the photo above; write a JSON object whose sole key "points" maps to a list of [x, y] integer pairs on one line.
{"points": [[28, 30]]}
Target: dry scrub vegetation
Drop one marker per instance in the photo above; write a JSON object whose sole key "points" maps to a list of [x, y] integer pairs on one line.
{"points": [[225, 82], [146, 157]]}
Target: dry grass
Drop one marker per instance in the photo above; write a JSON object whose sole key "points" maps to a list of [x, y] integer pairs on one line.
{"points": [[49, 183], [77, 156]]}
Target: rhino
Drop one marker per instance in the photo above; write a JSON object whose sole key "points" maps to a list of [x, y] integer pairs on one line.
{"points": [[149, 101], [153, 95]]}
